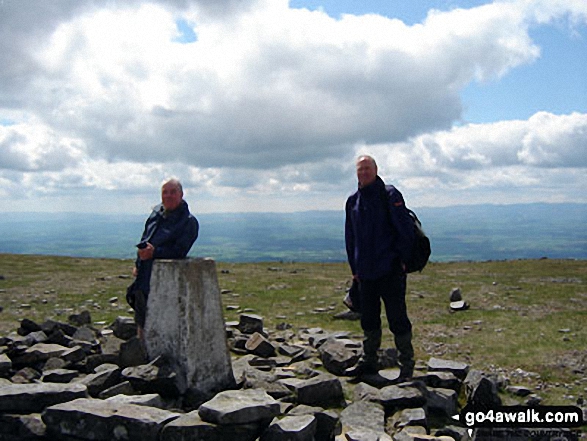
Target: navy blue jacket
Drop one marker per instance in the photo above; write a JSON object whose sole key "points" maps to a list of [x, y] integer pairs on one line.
{"points": [[172, 234], [378, 230]]}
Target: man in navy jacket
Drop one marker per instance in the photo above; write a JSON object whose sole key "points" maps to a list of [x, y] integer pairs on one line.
{"points": [[379, 234], [170, 231]]}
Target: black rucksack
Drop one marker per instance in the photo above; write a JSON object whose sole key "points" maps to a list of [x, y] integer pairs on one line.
{"points": [[421, 248]]}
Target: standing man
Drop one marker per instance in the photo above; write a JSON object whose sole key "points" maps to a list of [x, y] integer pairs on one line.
{"points": [[170, 231], [379, 234]]}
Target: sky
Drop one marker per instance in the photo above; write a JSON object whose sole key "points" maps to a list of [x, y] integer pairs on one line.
{"points": [[264, 105]]}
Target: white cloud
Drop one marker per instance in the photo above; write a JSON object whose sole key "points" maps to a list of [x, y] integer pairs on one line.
{"points": [[268, 100]]}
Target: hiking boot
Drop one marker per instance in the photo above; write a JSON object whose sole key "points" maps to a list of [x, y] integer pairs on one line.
{"points": [[403, 343], [363, 367]]}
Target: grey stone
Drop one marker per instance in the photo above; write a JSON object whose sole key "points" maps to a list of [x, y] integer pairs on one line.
{"points": [[324, 390], [366, 392], [328, 423], [85, 334], [363, 414], [239, 407], [25, 375], [132, 353], [442, 401], [21, 427], [190, 427], [409, 417], [5, 365], [33, 398], [36, 337], [439, 379], [101, 381], [185, 320], [293, 428], [481, 391], [81, 319], [151, 400], [124, 388], [337, 357], [103, 420], [59, 375], [455, 295], [459, 369], [257, 344], [124, 328], [396, 397], [250, 323], [38, 353], [155, 377]]}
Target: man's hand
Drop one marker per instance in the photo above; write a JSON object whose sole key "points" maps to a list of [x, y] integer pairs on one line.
{"points": [[147, 252]]}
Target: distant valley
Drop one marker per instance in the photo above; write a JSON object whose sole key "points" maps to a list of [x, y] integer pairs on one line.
{"points": [[459, 233]]}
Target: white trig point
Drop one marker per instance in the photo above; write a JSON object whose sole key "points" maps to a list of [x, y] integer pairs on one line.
{"points": [[185, 324]]}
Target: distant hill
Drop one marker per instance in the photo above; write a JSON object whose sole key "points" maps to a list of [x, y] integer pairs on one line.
{"points": [[472, 232]]}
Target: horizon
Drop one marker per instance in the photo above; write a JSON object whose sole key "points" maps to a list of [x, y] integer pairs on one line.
{"points": [[260, 105], [115, 213]]}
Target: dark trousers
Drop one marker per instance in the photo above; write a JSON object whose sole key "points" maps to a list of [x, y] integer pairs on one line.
{"points": [[390, 288], [141, 288]]}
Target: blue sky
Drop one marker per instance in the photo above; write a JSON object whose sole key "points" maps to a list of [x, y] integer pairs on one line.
{"points": [[263, 105]]}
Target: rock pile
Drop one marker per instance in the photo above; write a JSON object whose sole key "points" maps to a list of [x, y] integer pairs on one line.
{"points": [[71, 381]]}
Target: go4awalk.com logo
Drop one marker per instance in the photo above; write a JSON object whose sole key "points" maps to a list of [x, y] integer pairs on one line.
{"points": [[521, 417]]}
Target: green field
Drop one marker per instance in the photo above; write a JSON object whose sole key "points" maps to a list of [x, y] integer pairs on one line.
{"points": [[526, 318]]}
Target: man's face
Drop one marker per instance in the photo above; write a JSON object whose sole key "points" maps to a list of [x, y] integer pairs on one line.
{"points": [[366, 172], [171, 196]]}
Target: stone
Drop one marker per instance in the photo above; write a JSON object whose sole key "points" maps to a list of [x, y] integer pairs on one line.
{"points": [[151, 400], [259, 345], [519, 391], [460, 305], [21, 427], [328, 423], [396, 397], [443, 402], [239, 407], [294, 428], [81, 319], [439, 379], [59, 375], [103, 420], [5, 365], [481, 391], [124, 388], [132, 353], [33, 398], [363, 414], [38, 353], [457, 368], [124, 327], [325, 390], [185, 320], [85, 334], [337, 357], [191, 427], [100, 381], [155, 377], [250, 323], [455, 295], [409, 417]]}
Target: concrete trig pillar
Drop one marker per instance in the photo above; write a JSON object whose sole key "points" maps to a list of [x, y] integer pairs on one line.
{"points": [[185, 323]]}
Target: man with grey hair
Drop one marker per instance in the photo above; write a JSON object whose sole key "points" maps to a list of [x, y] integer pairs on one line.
{"points": [[170, 231], [379, 234]]}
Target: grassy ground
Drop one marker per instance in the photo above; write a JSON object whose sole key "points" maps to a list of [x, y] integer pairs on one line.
{"points": [[526, 318]]}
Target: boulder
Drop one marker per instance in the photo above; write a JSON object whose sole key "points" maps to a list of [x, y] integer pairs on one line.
{"points": [[103, 420], [240, 407], [33, 398]]}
